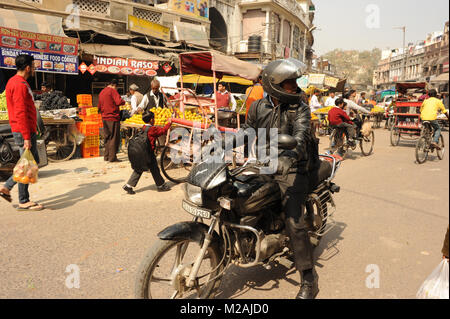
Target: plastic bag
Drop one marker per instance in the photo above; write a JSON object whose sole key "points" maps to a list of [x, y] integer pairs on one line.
{"points": [[26, 169], [436, 285]]}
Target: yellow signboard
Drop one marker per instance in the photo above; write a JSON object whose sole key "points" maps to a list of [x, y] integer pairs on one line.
{"points": [[142, 26], [197, 8]]}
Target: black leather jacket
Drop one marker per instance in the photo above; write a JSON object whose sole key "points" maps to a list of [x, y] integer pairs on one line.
{"points": [[294, 120]]}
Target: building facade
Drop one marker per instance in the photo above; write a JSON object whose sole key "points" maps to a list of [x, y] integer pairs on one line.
{"points": [[264, 30], [426, 61]]}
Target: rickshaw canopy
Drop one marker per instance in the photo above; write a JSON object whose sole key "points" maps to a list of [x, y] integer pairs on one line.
{"points": [[200, 79], [404, 86], [207, 62]]}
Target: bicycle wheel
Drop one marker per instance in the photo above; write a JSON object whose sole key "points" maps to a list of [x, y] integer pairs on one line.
{"points": [[171, 169], [59, 146], [367, 143], [441, 152], [395, 137], [422, 150], [337, 143]]}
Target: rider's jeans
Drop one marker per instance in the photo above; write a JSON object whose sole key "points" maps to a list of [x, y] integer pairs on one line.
{"points": [[437, 131], [350, 129]]}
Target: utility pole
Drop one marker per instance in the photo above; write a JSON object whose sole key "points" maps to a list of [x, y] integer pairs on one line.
{"points": [[404, 51]]}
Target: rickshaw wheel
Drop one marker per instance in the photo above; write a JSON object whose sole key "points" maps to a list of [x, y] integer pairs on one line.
{"points": [[395, 137]]}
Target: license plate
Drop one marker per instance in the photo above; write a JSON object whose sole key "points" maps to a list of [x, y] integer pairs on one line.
{"points": [[195, 211]]}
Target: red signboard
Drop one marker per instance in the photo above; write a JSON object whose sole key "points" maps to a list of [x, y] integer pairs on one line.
{"points": [[445, 67], [83, 67], [125, 66], [38, 42]]}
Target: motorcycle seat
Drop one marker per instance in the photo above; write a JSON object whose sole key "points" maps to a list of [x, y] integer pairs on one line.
{"points": [[325, 171]]}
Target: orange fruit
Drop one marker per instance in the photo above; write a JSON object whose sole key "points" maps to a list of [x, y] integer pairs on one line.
{"points": [[33, 180], [25, 180], [16, 178]]}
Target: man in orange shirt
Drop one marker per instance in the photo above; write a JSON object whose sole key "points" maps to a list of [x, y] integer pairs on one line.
{"points": [[254, 93]]}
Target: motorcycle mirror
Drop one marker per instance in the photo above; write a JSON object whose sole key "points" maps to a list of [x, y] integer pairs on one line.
{"points": [[286, 142]]}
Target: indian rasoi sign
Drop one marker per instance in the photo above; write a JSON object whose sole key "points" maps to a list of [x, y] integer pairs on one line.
{"points": [[51, 53], [125, 66]]}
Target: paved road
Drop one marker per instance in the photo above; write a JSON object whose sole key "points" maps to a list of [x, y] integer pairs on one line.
{"points": [[392, 213]]}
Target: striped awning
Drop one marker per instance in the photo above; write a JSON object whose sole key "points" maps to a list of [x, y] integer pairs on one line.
{"points": [[31, 22]]}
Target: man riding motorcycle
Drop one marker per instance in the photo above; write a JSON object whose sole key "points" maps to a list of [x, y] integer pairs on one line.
{"points": [[284, 109]]}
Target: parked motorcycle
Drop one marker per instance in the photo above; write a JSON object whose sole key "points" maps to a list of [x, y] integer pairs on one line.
{"points": [[245, 227]]}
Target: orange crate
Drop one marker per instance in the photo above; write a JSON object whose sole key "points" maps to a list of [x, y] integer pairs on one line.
{"points": [[91, 111], [88, 152], [92, 118], [84, 99], [91, 141], [89, 128]]}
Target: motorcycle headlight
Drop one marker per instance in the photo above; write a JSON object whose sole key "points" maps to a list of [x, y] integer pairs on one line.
{"points": [[193, 194]]}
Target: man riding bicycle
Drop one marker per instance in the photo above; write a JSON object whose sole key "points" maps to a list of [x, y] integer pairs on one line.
{"points": [[429, 112], [339, 118]]}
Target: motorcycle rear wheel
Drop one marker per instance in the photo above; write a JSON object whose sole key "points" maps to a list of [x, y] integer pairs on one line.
{"points": [[146, 283]]}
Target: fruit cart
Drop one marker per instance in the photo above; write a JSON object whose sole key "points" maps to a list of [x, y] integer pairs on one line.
{"points": [[205, 111], [407, 123]]}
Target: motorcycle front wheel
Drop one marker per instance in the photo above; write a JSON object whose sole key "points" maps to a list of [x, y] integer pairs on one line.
{"points": [[165, 269]]}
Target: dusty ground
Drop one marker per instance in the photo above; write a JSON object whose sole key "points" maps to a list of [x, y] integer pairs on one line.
{"points": [[392, 213]]}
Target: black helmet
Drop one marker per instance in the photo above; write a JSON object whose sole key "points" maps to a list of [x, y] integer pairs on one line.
{"points": [[279, 71]]}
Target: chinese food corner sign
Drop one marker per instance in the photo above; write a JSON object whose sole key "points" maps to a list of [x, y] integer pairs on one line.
{"points": [[51, 53], [125, 66]]}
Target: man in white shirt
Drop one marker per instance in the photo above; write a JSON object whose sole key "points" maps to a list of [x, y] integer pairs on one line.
{"points": [[136, 98], [331, 100], [154, 98], [314, 104]]}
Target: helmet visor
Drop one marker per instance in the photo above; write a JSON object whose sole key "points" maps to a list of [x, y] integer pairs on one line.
{"points": [[290, 69]]}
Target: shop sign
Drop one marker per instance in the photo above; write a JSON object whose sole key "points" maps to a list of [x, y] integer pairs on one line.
{"points": [[83, 68], [142, 26], [51, 53], [331, 81], [92, 69], [125, 66], [195, 8], [445, 67], [317, 79], [167, 67]]}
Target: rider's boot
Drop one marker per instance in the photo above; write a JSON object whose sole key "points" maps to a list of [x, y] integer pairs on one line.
{"points": [[309, 287]]}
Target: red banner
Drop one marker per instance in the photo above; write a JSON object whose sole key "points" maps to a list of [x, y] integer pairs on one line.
{"points": [[37, 42], [125, 66]]}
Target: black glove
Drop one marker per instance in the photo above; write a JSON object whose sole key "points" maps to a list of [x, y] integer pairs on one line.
{"points": [[285, 163]]}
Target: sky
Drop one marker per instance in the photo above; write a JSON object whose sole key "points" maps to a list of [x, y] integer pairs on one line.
{"points": [[367, 24]]}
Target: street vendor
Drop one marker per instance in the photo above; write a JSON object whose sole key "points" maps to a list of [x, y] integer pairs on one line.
{"points": [[154, 98], [136, 98], [225, 98], [254, 93], [109, 102]]}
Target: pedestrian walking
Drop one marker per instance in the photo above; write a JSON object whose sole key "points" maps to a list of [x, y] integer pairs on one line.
{"points": [[22, 115], [109, 103], [152, 133]]}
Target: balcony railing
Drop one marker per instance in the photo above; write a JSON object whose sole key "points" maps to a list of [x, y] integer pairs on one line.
{"points": [[290, 5]]}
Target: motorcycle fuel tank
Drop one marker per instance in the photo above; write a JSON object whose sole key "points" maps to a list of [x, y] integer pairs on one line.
{"points": [[208, 175]]}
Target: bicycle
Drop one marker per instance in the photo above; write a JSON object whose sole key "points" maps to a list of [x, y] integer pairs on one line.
{"points": [[424, 147], [339, 144]]}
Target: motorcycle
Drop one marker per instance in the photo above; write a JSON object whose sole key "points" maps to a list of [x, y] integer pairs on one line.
{"points": [[246, 228]]}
